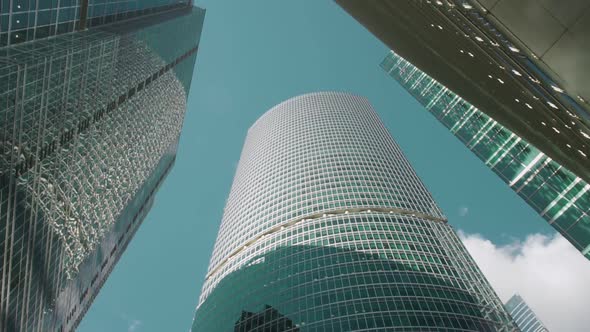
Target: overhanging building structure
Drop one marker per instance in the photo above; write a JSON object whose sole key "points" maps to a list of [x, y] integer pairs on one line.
{"points": [[557, 194], [522, 63], [328, 228], [92, 101]]}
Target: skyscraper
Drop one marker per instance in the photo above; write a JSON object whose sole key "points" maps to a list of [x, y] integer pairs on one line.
{"points": [[92, 101], [328, 224], [523, 316], [486, 57], [558, 195]]}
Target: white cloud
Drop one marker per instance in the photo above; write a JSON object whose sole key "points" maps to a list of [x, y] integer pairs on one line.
{"points": [[548, 272], [133, 325], [463, 211]]}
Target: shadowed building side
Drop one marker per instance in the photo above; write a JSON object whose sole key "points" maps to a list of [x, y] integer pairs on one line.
{"points": [[458, 45], [25, 21], [267, 320], [553, 35]]}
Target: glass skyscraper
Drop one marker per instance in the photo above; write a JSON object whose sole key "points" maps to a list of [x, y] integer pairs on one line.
{"points": [[92, 101], [523, 316], [558, 195], [328, 228]]}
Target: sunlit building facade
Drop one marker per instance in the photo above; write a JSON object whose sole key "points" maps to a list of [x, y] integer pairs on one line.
{"points": [[328, 224], [89, 125], [558, 195], [523, 316]]}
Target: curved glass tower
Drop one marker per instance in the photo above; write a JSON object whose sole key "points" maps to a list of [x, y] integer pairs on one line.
{"points": [[328, 228]]}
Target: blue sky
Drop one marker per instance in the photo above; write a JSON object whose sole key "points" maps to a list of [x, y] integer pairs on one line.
{"points": [[253, 55]]}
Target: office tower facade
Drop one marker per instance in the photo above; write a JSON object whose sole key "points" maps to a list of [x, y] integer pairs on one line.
{"points": [[523, 316], [90, 122], [22, 21], [557, 194], [328, 224], [460, 44], [258, 322]]}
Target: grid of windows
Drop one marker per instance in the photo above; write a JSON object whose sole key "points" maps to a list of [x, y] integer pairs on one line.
{"points": [[26, 20], [328, 224], [307, 156], [524, 317], [561, 197], [89, 128], [106, 11]]}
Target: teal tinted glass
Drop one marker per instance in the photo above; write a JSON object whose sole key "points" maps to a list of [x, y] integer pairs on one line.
{"points": [[372, 272], [556, 193], [89, 130]]}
